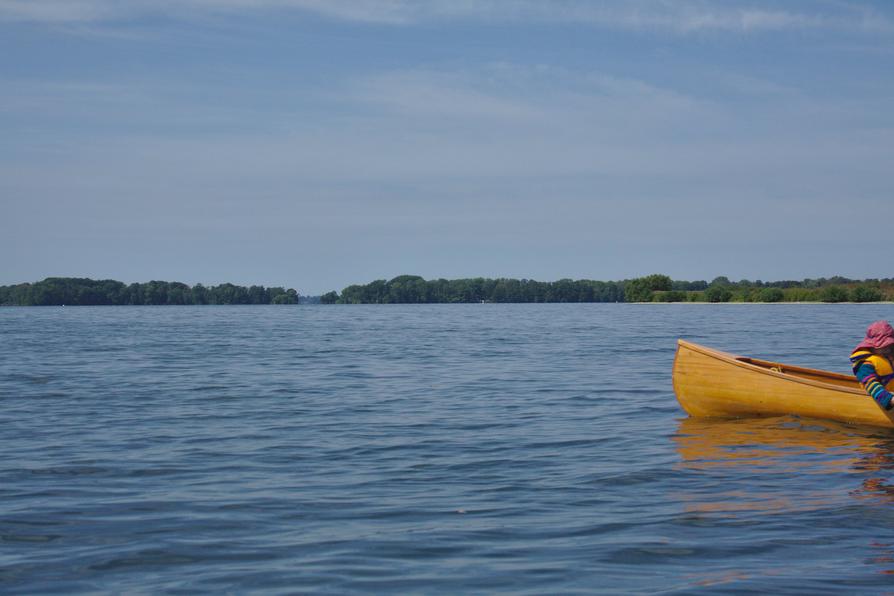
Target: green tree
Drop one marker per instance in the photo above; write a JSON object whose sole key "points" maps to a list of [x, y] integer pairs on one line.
{"points": [[199, 294], [637, 290], [771, 295], [658, 282], [670, 296], [863, 293], [641, 289], [179, 293], [718, 293], [833, 294]]}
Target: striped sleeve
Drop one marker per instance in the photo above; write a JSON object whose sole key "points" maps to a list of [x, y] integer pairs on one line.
{"points": [[868, 377]]}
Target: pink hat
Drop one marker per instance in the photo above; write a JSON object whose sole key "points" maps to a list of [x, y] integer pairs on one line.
{"points": [[878, 335]]}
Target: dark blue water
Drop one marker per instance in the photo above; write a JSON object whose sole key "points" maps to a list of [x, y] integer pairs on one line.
{"points": [[454, 448]]}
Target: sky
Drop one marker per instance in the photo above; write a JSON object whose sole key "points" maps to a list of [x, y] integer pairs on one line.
{"points": [[320, 143]]}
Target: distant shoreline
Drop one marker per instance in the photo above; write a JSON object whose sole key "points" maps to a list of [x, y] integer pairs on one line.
{"points": [[814, 303], [413, 289], [82, 291]]}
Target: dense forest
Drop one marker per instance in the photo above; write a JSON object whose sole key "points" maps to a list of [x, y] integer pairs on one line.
{"points": [[412, 289], [73, 291]]}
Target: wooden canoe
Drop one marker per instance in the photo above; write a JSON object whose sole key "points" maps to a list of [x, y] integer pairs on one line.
{"points": [[711, 383]]}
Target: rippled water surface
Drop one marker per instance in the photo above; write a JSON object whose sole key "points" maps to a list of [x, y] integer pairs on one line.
{"points": [[448, 448]]}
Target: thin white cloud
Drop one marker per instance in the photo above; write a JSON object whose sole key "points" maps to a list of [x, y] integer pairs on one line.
{"points": [[500, 121], [440, 94], [484, 157], [541, 101], [680, 16]]}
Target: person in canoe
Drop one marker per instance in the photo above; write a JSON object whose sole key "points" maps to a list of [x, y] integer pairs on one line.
{"points": [[873, 363]]}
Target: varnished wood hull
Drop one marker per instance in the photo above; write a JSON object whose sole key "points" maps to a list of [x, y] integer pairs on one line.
{"points": [[711, 383]]}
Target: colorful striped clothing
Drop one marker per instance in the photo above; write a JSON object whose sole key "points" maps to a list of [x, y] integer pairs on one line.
{"points": [[875, 373]]}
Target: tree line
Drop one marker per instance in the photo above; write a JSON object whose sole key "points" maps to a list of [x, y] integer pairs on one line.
{"points": [[412, 289], [75, 291]]}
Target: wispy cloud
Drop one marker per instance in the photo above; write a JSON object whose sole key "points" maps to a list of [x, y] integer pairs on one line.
{"points": [[497, 121], [542, 102], [679, 16], [441, 94], [481, 158]]}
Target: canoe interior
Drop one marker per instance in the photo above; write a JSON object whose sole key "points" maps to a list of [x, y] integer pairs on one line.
{"points": [[820, 376]]}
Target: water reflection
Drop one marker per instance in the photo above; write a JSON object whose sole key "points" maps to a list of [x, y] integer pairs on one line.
{"points": [[883, 556], [780, 443], [786, 473], [782, 464]]}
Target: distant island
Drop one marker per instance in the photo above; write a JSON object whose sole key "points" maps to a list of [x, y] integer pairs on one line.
{"points": [[77, 291], [412, 289]]}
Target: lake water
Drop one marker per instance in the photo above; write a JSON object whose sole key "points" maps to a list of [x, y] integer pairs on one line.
{"points": [[444, 448]]}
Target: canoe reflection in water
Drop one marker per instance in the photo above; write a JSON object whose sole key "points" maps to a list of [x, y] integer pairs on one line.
{"points": [[802, 482], [788, 446]]}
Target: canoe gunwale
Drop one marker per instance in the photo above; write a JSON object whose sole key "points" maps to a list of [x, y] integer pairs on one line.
{"points": [[747, 363]]}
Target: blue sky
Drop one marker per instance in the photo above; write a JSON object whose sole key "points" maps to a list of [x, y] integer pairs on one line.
{"points": [[314, 144]]}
